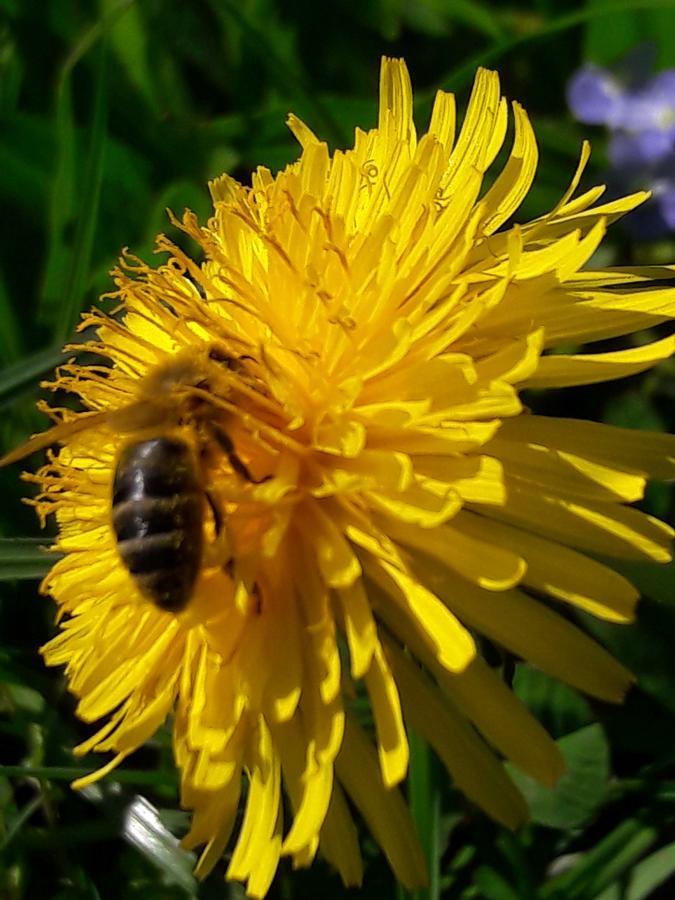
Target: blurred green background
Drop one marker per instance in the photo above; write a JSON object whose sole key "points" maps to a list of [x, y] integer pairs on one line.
{"points": [[113, 110]]}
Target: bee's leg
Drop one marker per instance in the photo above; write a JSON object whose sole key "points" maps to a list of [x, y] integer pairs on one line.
{"points": [[225, 443], [218, 552], [215, 512]]}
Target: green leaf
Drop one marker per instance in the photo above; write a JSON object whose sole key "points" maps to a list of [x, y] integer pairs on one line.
{"points": [[62, 204], [493, 886], [647, 646], [26, 154], [630, 27], [25, 372], [128, 41], [651, 872], [652, 580], [424, 799], [600, 866], [10, 335], [605, 45], [70, 773], [547, 30], [24, 558], [16, 825], [558, 707], [26, 698], [265, 40], [476, 16], [582, 788], [144, 830], [632, 409], [647, 875], [90, 189], [12, 72]]}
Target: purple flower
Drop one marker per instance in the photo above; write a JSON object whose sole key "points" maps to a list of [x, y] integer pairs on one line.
{"points": [[639, 111], [595, 96], [646, 148]]}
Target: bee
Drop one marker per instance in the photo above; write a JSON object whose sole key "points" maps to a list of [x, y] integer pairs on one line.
{"points": [[159, 496]]}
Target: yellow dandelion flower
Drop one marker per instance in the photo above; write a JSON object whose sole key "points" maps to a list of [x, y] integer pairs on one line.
{"points": [[303, 463]]}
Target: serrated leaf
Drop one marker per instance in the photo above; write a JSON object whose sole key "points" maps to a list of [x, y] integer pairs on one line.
{"points": [[580, 790]]}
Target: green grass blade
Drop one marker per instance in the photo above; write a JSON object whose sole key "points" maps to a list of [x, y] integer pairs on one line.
{"points": [[609, 859], [25, 372], [62, 206], [155, 777], [284, 68], [10, 333], [24, 558], [128, 39], [425, 807], [460, 76], [32, 806], [76, 283]]}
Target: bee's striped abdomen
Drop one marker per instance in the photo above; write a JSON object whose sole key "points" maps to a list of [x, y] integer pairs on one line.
{"points": [[157, 512]]}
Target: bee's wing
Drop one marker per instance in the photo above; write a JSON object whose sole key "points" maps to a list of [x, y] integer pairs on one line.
{"points": [[53, 436]]}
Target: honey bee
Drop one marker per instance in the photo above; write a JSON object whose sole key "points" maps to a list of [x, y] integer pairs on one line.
{"points": [[159, 496]]}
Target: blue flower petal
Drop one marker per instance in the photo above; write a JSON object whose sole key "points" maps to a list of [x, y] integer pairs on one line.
{"points": [[594, 96]]}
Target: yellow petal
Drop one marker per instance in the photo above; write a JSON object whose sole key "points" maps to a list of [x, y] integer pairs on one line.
{"points": [[418, 506], [511, 186], [476, 479], [624, 449], [590, 368], [395, 114], [605, 528], [262, 807], [304, 135], [309, 787], [338, 565], [339, 840], [534, 632], [384, 810], [442, 124], [216, 830], [446, 638], [360, 627], [560, 572], [392, 742], [482, 696], [79, 783], [475, 769], [487, 564], [565, 473], [484, 699]]}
